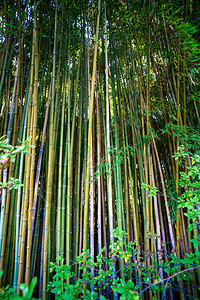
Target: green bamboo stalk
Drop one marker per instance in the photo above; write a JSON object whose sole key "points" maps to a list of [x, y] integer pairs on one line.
{"points": [[69, 179], [50, 168], [78, 180], [59, 202]]}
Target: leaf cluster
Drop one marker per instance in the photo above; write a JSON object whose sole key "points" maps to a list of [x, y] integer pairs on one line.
{"points": [[9, 152], [94, 274], [27, 290]]}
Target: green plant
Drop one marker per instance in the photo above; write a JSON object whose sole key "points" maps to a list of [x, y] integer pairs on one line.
{"points": [[58, 286], [94, 276], [7, 155], [9, 152], [152, 190], [11, 184], [27, 290], [126, 290], [190, 198], [6, 292], [117, 158]]}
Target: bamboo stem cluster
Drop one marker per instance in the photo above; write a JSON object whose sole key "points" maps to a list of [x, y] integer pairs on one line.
{"points": [[96, 88]]}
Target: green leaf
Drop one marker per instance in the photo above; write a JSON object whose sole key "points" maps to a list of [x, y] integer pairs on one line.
{"points": [[196, 242], [119, 290], [102, 298], [32, 287], [167, 271], [24, 288]]}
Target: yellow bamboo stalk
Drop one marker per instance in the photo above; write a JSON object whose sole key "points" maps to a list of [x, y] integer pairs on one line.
{"points": [[90, 132], [99, 223], [34, 124], [69, 178], [148, 155], [23, 220]]}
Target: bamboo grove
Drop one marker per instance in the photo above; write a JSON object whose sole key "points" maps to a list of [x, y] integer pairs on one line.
{"points": [[105, 89]]}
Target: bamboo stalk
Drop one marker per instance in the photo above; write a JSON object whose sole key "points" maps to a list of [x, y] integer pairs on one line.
{"points": [[90, 133]]}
